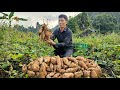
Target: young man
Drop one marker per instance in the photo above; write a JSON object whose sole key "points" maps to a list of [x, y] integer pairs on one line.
{"points": [[64, 47]]}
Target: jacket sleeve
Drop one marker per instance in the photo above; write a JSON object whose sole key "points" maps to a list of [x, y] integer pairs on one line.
{"points": [[53, 37]]}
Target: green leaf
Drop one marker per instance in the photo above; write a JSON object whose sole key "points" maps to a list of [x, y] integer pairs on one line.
{"points": [[22, 19], [11, 15], [3, 17], [5, 65], [4, 14]]}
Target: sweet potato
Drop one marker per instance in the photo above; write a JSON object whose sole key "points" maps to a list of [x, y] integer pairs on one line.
{"points": [[40, 60], [51, 74], [36, 62], [37, 74], [71, 59], [70, 70], [30, 63], [86, 73], [48, 69], [56, 75], [62, 71], [35, 67], [72, 65], [48, 76], [54, 68], [53, 60], [80, 58], [30, 73], [93, 74], [30, 67], [58, 68], [65, 66], [24, 68], [59, 61], [46, 59], [78, 74], [82, 64], [51, 66], [43, 74], [68, 75], [65, 60]]}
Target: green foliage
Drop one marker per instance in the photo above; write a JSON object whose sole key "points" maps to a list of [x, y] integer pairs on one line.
{"points": [[83, 20], [18, 48], [105, 22], [72, 24]]}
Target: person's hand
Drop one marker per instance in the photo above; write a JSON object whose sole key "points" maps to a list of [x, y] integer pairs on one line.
{"points": [[51, 42]]}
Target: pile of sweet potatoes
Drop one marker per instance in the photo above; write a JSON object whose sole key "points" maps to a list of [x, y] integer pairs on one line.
{"points": [[67, 67]]}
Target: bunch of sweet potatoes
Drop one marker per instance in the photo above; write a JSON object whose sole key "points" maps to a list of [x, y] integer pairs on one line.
{"points": [[67, 67]]}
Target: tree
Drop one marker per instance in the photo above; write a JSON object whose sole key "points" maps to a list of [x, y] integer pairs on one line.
{"points": [[72, 24], [105, 22], [83, 20], [38, 26]]}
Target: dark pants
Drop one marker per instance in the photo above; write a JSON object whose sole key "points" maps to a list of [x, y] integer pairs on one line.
{"points": [[63, 52]]}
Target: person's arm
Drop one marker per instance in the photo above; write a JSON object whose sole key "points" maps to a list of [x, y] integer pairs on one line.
{"points": [[67, 40], [53, 37]]}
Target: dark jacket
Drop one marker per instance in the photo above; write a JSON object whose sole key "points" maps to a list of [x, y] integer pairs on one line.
{"points": [[64, 38]]}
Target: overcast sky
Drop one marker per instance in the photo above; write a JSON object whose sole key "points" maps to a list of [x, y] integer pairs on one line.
{"points": [[34, 17]]}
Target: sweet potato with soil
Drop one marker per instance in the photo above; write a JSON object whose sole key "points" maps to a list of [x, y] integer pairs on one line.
{"points": [[61, 62], [78, 74], [43, 67], [92, 64], [65, 60], [86, 73], [51, 66], [68, 75], [62, 71], [58, 68], [71, 70], [71, 59], [40, 60], [80, 58], [52, 74], [35, 67], [58, 61], [72, 65], [65, 66], [97, 70], [30, 67], [36, 62], [60, 76], [53, 60], [93, 74], [46, 59], [48, 76], [31, 63], [37, 74], [82, 64], [24, 68], [56, 75], [48, 69], [30, 73], [54, 68], [43, 74]]}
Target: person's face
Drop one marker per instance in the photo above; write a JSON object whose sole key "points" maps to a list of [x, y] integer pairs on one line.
{"points": [[62, 22]]}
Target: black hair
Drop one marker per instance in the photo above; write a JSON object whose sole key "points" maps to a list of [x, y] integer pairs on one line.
{"points": [[63, 16]]}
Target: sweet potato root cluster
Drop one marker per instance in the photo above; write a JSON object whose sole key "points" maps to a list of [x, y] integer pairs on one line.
{"points": [[67, 67]]}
